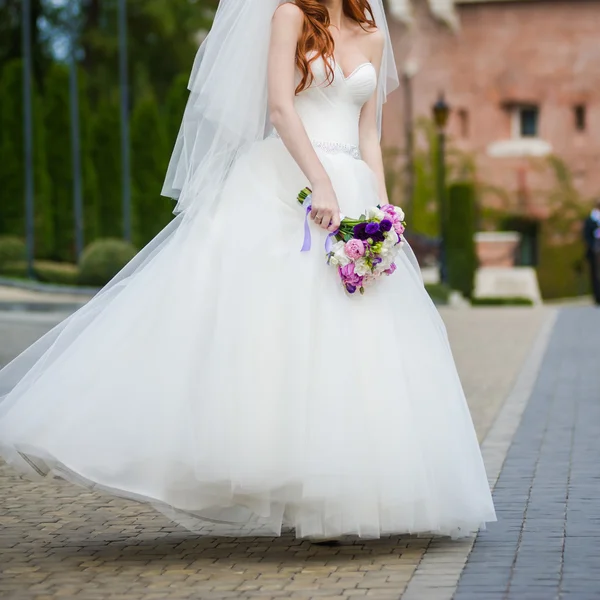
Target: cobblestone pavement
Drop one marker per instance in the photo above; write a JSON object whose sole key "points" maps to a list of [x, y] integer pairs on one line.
{"points": [[546, 544], [57, 541]]}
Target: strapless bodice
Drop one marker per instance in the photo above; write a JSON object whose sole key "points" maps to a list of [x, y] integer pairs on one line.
{"points": [[331, 112]]}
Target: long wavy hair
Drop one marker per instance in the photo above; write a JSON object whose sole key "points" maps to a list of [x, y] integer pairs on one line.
{"points": [[316, 39]]}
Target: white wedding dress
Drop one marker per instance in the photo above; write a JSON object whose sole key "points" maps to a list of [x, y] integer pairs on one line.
{"points": [[225, 375]]}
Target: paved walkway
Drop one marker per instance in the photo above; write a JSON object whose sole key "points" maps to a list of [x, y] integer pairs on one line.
{"points": [[21, 299], [546, 544], [59, 542]]}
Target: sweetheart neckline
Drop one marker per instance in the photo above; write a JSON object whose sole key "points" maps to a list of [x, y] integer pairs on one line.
{"points": [[358, 68]]}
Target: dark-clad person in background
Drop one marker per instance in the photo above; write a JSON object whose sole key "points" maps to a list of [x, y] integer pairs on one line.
{"points": [[591, 235]]}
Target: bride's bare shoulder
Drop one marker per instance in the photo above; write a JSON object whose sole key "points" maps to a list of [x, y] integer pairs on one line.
{"points": [[372, 38], [290, 13]]}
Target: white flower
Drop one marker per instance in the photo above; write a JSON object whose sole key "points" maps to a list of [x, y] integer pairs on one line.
{"points": [[338, 257], [399, 212], [373, 213], [391, 239], [361, 267], [385, 263]]}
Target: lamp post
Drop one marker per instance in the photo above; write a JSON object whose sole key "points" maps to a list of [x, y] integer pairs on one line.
{"points": [[441, 112], [410, 70], [28, 136], [124, 89]]}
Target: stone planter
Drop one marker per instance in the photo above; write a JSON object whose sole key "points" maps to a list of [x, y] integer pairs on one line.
{"points": [[497, 248]]}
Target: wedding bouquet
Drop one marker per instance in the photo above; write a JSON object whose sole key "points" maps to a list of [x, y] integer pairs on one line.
{"points": [[365, 248]]}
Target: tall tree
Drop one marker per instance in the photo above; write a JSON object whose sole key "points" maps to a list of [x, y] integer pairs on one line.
{"points": [[106, 156], [12, 163], [60, 164], [163, 37], [175, 104], [91, 197], [149, 157], [10, 34]]}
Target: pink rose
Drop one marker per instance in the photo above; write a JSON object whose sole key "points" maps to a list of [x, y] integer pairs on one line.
{"points": [[354, 249], [391, 213], [391, 269], [349, 276], [399, 228]]}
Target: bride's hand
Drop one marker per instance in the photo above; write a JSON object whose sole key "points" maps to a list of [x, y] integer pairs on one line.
{"points": [[325, 208]]}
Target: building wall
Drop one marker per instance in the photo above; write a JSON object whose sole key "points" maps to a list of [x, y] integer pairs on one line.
{"points": [[544, 53]]}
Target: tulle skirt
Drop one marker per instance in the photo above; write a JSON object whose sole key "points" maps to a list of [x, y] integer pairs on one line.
{"points": [[226, 376]]}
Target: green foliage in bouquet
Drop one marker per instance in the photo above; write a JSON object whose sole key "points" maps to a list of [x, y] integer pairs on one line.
{"points": [[103, 259], [460, 242]]}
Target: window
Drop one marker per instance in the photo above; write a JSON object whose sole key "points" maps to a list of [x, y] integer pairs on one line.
{"points": [[524, 121], [580, 117], [527, 121]]}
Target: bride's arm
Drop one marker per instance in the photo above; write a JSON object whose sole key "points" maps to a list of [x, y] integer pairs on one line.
{"points": [[370, 147], [285, 32]]}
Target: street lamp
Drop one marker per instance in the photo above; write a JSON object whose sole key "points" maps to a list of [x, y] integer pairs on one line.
{"points": [[441, 112], [410, 70]]}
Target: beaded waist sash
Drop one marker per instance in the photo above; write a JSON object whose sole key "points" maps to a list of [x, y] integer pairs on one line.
{"points": [[330, 147]]}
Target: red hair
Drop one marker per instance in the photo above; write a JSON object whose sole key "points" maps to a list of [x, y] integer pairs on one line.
{"points": [[317, 39]]}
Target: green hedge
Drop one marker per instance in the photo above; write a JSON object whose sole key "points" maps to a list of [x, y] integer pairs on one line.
{"points": [[44, 270], [102, 260], [461, 258], [516, 301], [438, 292], [562, 270], [12, 249]]}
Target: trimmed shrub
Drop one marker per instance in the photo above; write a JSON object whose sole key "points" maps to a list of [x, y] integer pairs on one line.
{"points": [[12, 249], [16, 270], [461, 257], [55, 272], [516, 301], [103, 259], [438, 292], [44, 270], [562, 270]]}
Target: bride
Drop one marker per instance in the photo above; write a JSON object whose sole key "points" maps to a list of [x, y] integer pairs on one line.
{"points": [[226, 377]]}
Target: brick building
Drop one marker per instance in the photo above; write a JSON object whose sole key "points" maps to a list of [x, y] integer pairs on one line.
{"points": [[522, 78]]}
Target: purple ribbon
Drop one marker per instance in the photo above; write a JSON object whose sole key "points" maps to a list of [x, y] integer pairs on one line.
{"points": [[307, 237]]}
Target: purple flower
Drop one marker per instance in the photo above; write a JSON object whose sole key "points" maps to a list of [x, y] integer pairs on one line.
{"points": [[360, 231], [385, 225], [372, 227], [377, 260], [348, 276], [351, 288]]}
